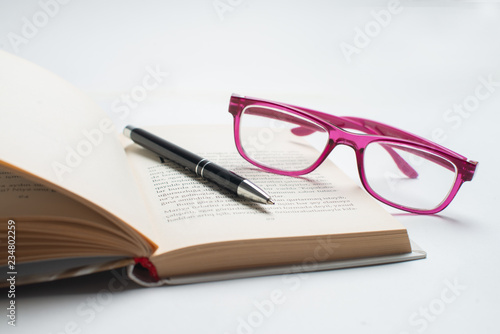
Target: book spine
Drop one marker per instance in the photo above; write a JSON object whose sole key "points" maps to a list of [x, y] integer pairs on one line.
{"points": [[146, 264]]}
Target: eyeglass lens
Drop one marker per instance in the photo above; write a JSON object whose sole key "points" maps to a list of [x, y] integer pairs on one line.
{"points": [[281, 140], [428, 185]]}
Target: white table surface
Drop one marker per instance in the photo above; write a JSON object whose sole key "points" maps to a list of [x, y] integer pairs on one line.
{"points": [[426, 58]]}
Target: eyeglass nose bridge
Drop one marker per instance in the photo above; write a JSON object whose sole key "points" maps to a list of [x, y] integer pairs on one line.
{"points": [[340, 137]]}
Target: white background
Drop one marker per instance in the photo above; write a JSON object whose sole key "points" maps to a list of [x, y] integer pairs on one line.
{"points": [[426, 57]]}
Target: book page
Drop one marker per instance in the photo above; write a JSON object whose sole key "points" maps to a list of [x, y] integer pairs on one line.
{"points": [[55, 226], [20, 197], [55, 135], [191, 210]]}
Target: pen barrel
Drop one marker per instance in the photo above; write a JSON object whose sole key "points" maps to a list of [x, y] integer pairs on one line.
{"points": [[221, 176], [202, 167], [165, 149]]}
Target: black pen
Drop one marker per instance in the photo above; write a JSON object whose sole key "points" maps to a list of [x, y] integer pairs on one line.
{"points": [[202, 167]]}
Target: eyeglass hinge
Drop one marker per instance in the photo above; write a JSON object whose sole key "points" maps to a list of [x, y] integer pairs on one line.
{"points": [[469, 172]]}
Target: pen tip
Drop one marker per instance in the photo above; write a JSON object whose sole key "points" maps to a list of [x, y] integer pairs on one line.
{"points": [[270, 201]]}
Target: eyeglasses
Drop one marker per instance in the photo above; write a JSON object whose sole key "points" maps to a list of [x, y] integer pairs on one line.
{"points": [[398, 168]]}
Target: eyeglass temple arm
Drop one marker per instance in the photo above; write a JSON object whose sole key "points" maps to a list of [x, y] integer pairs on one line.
{"points": [[400, 162], [390, 131], [373, 127], [468, 167], [344, 122], [386, 130]]}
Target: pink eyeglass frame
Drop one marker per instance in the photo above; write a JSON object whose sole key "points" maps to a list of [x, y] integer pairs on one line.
{"points": [[373, 132]]}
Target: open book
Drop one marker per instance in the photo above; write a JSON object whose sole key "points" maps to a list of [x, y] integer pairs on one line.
{"points": [[77, 198]]}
